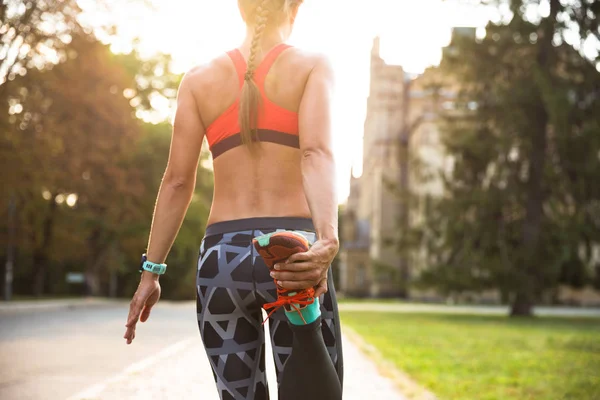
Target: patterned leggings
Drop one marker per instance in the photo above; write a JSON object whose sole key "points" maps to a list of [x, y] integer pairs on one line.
{"points": [[232, 284]]}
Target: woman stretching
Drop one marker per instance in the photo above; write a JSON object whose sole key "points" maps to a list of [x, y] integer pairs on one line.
{"points": [[272, 231]]}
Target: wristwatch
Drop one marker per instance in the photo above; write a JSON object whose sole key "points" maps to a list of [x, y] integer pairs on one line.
{"points": [[149, 266]]}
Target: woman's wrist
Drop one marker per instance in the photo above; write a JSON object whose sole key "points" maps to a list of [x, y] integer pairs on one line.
{"points": [[328, 237], [333, 242], [328, 233], [146, 275], [331, 246]]}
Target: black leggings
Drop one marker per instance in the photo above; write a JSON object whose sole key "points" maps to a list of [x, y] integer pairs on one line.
{"points": [[309, 373], [232, 285]]}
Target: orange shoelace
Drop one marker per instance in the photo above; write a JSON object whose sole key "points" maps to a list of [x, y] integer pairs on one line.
{"points": [[303, 298]]}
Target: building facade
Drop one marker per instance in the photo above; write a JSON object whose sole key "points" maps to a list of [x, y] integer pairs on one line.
{"points": [[402, 110]]}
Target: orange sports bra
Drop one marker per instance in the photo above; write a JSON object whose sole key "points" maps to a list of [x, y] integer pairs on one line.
{"points": [[275, 124]]}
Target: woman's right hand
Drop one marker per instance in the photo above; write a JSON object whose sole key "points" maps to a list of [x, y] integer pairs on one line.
{"points": [[145, 297], [308, 269]]}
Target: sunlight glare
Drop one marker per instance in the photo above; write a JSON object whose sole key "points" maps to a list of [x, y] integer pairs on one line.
{"points": [[413, 33]]}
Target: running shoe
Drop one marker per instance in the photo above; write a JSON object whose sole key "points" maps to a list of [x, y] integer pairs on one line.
{"points": [[301, 307]]}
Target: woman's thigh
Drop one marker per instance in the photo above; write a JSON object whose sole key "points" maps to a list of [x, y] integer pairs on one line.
{"points": [[229, 319]]}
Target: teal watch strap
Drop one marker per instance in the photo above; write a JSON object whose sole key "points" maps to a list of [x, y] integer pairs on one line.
{"points": [[158, 269], [149, 266]]}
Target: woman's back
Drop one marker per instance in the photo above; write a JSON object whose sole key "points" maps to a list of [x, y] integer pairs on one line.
{"points": [[267, 182]]}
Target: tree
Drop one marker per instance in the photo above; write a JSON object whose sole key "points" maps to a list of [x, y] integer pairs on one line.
{"points": [[521, 209], [150, 78], [31, 28], [83, 168], [35, 33], [71, 132], [73, 135]]}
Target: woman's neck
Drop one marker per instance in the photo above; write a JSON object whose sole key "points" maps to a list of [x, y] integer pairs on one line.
{"points": [[271, 37]]}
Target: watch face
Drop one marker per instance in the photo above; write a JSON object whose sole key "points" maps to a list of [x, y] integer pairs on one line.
{"points": [[144, 258]]}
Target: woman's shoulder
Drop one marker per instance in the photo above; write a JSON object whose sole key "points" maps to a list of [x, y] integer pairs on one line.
{"points": [[206, 75], [307, 57]]}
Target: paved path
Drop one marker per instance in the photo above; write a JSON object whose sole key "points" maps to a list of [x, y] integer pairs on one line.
{"points": [[182, 372], [385, 306], [77, 353], [24, 306]]}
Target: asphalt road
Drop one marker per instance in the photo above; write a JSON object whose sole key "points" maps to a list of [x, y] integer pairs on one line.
{"points": [[53, 354], [79, 354]]}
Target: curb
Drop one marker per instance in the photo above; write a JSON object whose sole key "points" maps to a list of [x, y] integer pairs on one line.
{"points": [[17, 307], [411, 389], [562, 312]]}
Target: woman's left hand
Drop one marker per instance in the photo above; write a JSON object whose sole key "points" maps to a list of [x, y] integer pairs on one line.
{"points": [[145, 297], [309, 269]]}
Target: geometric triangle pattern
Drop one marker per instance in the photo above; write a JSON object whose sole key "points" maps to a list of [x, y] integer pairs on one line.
{"points": [[232, 284]]}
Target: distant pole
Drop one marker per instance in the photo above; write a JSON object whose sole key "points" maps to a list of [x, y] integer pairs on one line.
{"points": [[404, 150], [10, 250], [112, 289]]}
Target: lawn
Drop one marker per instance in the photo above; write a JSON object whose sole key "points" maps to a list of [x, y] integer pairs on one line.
{"points": [[355, 300], [466, 357]]}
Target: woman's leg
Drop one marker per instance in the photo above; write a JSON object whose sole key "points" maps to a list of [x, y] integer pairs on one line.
{"points": [[229, 318], [309, 372], [309, 353], [282, 334], [307, 356]]}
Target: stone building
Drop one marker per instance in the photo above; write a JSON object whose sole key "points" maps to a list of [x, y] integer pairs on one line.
{"points": [[402, 109]]}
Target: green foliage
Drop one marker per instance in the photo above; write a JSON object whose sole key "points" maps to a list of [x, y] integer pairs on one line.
{"points": [[29, 28], [69, 135], [85, 172], [521, 210], [152, 152], [151, 78], [37, 33]]}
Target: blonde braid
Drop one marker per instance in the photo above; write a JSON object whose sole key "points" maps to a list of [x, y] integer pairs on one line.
{"points": [[262, 17], [250, 98]]}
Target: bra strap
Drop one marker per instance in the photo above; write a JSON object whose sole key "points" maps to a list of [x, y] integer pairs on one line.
{"points": [[239, 64], [265, 66]]}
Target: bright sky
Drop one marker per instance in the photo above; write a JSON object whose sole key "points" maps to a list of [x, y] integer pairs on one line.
{"points": [[413, 33]]}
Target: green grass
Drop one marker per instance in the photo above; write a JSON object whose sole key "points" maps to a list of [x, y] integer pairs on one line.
{"points": [[465, 357], [371, 300]]}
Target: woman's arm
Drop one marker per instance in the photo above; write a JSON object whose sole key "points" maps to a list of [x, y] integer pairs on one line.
{"points": [[318, 165], [179, 180], [309, 269], [172, 201]]}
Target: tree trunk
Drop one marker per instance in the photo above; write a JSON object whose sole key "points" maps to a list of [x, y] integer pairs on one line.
{"points": [[529, 280], [40, 254], [95, 263], [403, 153], [10, 248], [522, 306], [39, 274]]}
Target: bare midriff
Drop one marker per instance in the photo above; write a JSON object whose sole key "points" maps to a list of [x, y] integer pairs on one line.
{"points": [[266, 185]]}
